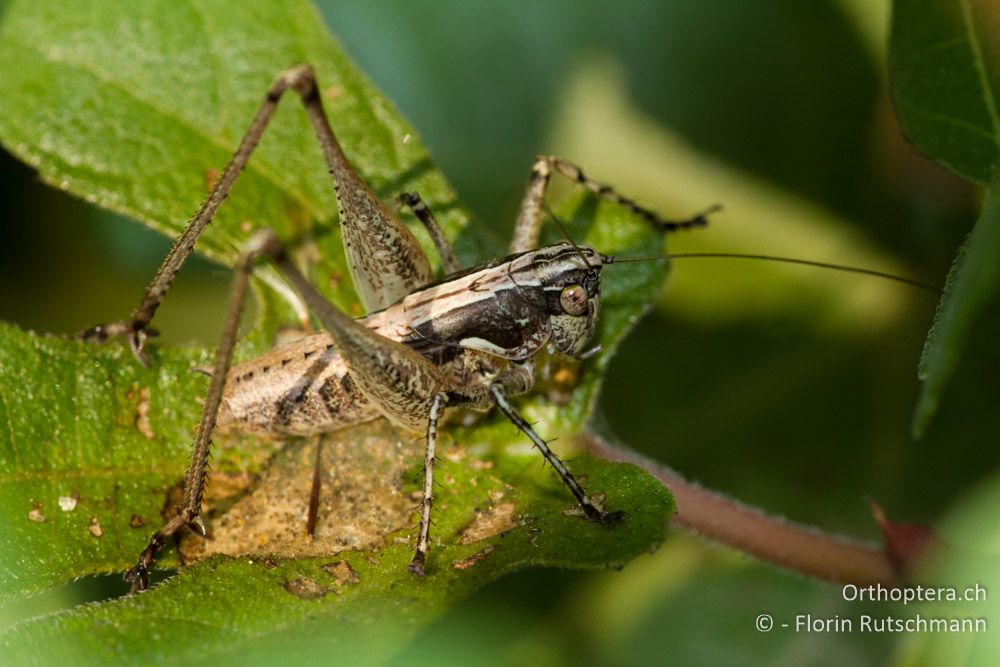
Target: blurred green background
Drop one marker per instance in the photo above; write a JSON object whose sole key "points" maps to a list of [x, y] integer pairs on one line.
{"points": [[789, 390]]}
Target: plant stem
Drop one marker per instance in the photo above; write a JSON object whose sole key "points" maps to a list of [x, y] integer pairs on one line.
{"points": [[800, 548]]}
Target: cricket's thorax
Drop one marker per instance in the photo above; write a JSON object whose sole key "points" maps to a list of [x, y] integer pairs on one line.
{"points": [[481, 322], [510, 308]]}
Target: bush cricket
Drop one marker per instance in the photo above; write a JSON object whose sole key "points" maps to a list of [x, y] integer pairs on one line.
{"points": [[467, 340]]}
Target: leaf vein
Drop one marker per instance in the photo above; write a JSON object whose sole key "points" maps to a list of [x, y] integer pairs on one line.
{"points": [[954, 120], [980, 65]]}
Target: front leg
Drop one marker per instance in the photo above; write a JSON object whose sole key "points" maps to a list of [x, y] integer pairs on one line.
{"points": [[590, 509]]}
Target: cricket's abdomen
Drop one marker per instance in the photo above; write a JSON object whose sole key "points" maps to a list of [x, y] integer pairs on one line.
{"points": [[305, 387], [302, 388]]}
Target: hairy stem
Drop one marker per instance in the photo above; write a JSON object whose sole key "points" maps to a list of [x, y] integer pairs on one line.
{"points": [[800, 548]]}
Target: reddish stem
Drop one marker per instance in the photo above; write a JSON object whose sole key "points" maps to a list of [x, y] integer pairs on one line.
{"points": [[800, 548]]}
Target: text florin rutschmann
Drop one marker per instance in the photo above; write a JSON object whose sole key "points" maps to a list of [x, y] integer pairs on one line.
{"points": [[880, 624], [908, 594]]}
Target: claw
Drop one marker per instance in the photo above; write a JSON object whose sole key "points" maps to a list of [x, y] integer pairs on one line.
{"points": [[198, 526], [611, 518], [416, 566], [606, 519], [138, 577], [135, 333], [137, 341]]}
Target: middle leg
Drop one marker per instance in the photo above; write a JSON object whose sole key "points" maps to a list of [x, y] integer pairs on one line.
{"points": [[423, 212], [430, 456]]}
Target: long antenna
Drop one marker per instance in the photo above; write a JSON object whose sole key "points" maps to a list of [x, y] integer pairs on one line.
{"points": [[607, 259], [562, 227]]}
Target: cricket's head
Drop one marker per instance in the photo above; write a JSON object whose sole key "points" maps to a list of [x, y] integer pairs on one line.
{"points": [[571, 279]]}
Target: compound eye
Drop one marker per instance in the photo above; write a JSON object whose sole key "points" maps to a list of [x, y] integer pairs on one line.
{"points": [[573, 300]]}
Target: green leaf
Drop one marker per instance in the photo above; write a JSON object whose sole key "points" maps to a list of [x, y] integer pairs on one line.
{"points": [[972, 282], [108, 104], [112, 473], [75, 466], [969, 565], [169, 112], [944, 66], [945, 79]]}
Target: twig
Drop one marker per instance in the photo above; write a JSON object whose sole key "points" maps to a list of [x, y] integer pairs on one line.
{"points": [[800, 548]]}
